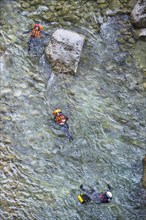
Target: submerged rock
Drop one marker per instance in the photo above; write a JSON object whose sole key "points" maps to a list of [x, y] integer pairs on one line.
{"points": [[138, 14], [144, 173], [2, 50], [64, 50], [25, 5]]}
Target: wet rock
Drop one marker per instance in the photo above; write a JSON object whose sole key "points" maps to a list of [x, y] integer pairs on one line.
{"points": [[59, 7], [144, 85], [41, 9], [3, 109], [23, 85], [144, 79], [6, 140], [139, 33], [139, 52], [138, 14], [121, 40], [12, 37], [144, 73], [38, 79], [72, 18], [6, 118], [25, 5], [131, 40], [6, 58], [132, 3], [103, 1], [1, 53], [48, 16], [64, 50], [144, 173], [17, 93], [35, 2], [2, 50], [9, 157], [6, 91]]}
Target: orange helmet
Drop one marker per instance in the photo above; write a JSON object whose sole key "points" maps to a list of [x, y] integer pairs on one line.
{"points": [[56, 111], [38, 25]]}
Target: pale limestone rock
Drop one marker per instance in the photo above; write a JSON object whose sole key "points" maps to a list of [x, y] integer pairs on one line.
{"points": [[64, 50]]}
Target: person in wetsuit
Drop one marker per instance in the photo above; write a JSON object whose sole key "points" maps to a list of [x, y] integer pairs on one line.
{"points": [[35, 34], [61, 119], [92, 196]]}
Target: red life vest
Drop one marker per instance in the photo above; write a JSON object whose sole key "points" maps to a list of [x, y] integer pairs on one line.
{"points": [[104, 198]]}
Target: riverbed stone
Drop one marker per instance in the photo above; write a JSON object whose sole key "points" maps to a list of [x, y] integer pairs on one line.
{"points": [[6, 140], [25, 5], [144, 85], [64, 50], [138, 14], [139, 33], [144, 172], [1, 53], [2, 50], [5, 91], [23, 85], [35, 2], [102, 1], [17, 93], [3, 109], [71, 17], [131, 40], [6, 118]]}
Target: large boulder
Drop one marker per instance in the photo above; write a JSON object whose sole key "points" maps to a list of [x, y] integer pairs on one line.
{"points": [[64, 50], [144, 172], [138, 14]]}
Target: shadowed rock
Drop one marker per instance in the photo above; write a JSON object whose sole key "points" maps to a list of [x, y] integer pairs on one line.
{"points": [[144, 172], [64, 50]]}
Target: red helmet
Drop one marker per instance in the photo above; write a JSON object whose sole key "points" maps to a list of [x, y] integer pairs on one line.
{"points": [[37, 25]]}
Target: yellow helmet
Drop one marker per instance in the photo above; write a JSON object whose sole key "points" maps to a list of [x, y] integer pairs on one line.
{"points": [[56, 111]]}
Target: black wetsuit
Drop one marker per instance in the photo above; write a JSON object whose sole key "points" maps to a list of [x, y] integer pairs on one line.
{"points": [[33, 41], [95, 196]]}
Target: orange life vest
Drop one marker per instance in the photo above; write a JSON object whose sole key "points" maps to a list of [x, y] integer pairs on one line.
{"points": [[35, 33], [60, 119]]}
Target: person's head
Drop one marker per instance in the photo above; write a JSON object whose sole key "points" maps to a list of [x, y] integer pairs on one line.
{"points": [[37, 27], [56, 111], [109, 195]]}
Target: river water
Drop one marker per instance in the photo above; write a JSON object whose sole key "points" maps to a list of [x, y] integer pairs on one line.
{"points": [[40, 171]]}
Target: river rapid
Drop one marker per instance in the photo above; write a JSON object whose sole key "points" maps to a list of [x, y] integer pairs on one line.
{"points": [[41, 171]]}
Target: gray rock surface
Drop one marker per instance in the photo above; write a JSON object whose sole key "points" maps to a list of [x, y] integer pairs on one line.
{"points": [[138, 14], [64, 50]]}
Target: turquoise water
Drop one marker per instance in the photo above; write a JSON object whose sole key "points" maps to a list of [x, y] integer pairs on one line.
{"points": [[40, 171]]}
